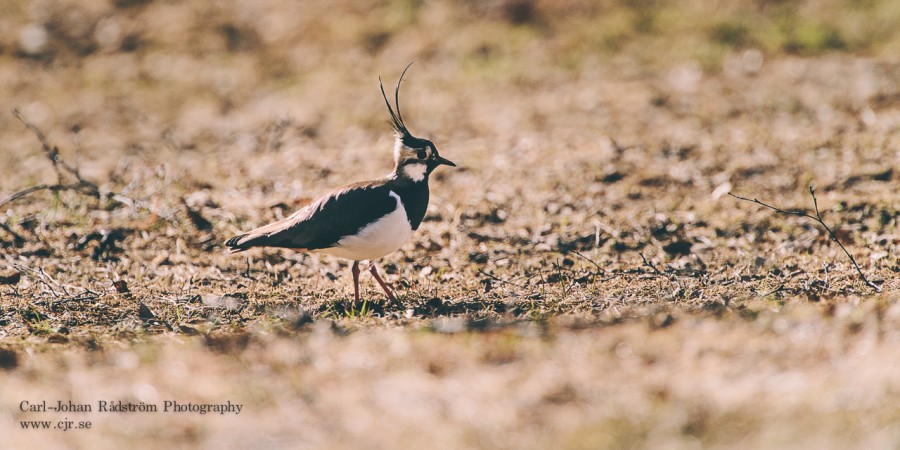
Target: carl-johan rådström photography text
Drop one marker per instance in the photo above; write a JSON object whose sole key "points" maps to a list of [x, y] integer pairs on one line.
{"points": [[32, 408]]}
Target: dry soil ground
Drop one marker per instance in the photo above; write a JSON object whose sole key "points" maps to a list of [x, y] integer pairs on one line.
{"points": [[582, 280]]}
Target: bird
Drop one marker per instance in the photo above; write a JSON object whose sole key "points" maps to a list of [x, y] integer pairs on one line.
{"points": [[363, 221]]}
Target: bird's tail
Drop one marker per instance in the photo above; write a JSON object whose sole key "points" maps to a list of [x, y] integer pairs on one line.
{"points": [[247, 241], [271, 235], [238, 243]]}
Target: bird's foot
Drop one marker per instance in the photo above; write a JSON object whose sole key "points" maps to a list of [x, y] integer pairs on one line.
{"points": [[387, 288]]}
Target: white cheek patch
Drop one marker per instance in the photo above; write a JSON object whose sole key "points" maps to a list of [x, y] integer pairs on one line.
{"points": [[415, 171]]}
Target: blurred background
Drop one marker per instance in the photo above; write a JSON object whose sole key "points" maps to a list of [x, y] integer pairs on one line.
{"points": [[200, 88], [129, 70]]}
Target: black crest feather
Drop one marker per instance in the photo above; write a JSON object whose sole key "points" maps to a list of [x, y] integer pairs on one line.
{"points": [[396, 118]]}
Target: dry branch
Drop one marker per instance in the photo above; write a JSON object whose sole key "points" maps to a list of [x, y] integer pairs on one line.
{"points": [[59, 165], [817, 218], [52, 153], [670, 276], [65, 170]]}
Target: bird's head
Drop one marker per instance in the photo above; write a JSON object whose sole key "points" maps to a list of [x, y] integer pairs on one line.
{"points": [[414, 157]]}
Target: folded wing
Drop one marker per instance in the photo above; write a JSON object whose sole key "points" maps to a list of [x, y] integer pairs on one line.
{"points": [[324, 222]]}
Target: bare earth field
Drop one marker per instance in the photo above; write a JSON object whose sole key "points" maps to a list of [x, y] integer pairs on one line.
{"points": [[582, 280]]}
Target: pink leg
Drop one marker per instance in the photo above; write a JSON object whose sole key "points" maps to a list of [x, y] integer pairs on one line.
{"points": [[387, 289], [355, 271]]}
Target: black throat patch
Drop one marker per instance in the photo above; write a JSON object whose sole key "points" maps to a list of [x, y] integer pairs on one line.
{"points": [[414, 196]]}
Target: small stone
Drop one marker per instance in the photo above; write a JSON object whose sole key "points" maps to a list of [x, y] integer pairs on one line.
{"points": [[33, 39]]}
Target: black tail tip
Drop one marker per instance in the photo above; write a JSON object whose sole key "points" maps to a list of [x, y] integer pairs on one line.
{"points": [[234, 245]]}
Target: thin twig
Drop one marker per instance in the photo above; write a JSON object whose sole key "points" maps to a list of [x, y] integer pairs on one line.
{"points": [[80, 184], [17, 195], [777, 290], [611, 277], [247, 272], [600, 269], [59, 165], [44, 274], [672, 277], [650, 265], [817, 218], [40, 276], [53, 153], [495, 278], [42, 187]]}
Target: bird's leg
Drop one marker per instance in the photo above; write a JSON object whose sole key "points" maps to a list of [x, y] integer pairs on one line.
{"points": [[355, 271], [387, 289]]}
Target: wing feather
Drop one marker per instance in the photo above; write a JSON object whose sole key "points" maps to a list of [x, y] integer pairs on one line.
{"points": [[324, 222]]}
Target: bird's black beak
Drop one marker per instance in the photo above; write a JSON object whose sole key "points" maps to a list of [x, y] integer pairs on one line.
{"points": [[440, 160]]}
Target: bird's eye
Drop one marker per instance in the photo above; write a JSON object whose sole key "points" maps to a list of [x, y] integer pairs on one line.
{"points": [[421, 153]]}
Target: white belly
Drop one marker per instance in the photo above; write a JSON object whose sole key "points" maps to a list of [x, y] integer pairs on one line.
{"points": [[377, 239]]}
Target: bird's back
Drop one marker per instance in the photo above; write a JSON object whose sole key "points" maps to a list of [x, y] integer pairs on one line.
{"points": [[323, 223]]}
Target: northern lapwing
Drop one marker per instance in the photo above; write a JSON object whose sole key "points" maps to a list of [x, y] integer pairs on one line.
{"points": [[366, 220]]}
